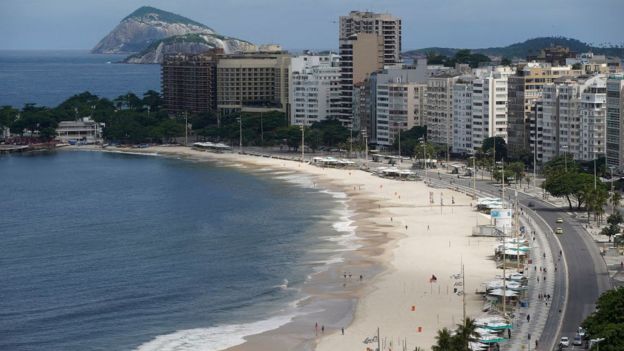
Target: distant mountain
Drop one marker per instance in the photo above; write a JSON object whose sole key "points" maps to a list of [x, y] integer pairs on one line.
{"points": [[149, 28], [526, 48]]}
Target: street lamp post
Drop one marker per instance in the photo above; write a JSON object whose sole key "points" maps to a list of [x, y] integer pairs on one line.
{"points": [[365, 135], [240, 133], [302, 142], [185, 128], [351, 141]]}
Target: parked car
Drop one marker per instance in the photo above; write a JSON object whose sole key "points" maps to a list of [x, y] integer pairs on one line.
{"points": [[559, 230], [559, 220], [577, 341]]}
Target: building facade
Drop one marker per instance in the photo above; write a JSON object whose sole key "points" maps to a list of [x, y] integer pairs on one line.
{"points": [[257, 81], [439, 109], [367, 41], [489, 105], [189, 83], [360, 55], [615, 122], [314, 88], [571, 119], [462, 117], [85, 131], [523, 89], [386, 26]]}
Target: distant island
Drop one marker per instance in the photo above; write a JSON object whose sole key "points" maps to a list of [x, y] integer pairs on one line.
{"points": [[147, 34], [525, 48]]}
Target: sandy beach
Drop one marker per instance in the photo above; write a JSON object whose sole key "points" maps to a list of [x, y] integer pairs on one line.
{"points": [[404, 241]]}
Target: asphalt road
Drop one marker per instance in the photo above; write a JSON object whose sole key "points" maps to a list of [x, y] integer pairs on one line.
{"points": [[586, 270]]}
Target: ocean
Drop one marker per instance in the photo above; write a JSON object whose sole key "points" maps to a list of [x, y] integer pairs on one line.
{"points": [[47, 78], [105, 251]]}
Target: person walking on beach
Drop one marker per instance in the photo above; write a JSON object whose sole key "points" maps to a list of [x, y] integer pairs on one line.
{"points": [[342, 331], [322, 329], [316, 328]]}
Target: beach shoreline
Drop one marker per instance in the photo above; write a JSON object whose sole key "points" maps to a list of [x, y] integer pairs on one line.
{"points": [[404, 240]]}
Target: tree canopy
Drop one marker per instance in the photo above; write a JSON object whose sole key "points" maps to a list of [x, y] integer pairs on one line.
{"points": [[608, 320], [495, 145]]}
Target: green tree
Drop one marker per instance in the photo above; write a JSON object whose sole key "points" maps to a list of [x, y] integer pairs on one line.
{"points": [[8, 115], [607, 321], [506, 61], [615, 218], [47, 134], [444, 341], [560, 164], [517, 168], [498, 173], [313, 139], [333, 132], [434, 58], [465, 334], [488, 147], [610, 230]]}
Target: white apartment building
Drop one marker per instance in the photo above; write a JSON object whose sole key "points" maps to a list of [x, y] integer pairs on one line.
{"points": [[489, 104], [462, 117], [571, 118], [440, 109], [593, 114], [314, 88], [399, 107]]}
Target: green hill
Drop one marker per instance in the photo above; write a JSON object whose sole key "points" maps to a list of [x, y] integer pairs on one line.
{"points": [[163, 16], [528, 47]]}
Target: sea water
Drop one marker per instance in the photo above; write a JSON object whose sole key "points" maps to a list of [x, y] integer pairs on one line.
{"points": [[47, 78], [119, 252]]}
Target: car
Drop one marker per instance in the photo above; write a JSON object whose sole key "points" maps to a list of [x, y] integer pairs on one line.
{"points": [[577, 341], [565, 341], [531, 204], [581, 332], [559, 220], [559, 230]]}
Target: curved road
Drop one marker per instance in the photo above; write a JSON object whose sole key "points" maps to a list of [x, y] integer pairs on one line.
{"points": [[587, 272]]}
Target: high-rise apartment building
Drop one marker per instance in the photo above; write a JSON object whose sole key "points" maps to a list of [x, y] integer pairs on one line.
{"points": [[256, 81], [314, 88], [524, 88], [571, 119], [615, 121], [386, 26], [189, 82], [398, 94], [440, 109], [360, 55], [462, 116], [489, 104], [367, 42]]}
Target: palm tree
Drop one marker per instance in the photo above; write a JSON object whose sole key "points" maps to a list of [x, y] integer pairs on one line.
{"points": [[616, 198], [444, 341], [467, 333]]}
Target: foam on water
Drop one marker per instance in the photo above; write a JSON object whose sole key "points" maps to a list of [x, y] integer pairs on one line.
{"points": [[212, 339]]}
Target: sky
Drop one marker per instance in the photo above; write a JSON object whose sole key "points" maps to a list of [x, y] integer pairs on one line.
{"points": [[312, 24]]}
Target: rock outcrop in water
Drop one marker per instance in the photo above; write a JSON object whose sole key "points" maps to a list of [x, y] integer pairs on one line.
{"points": [[151, 32]]}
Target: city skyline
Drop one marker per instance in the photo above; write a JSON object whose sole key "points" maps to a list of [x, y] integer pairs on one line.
{"points": [[69, 24]]}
